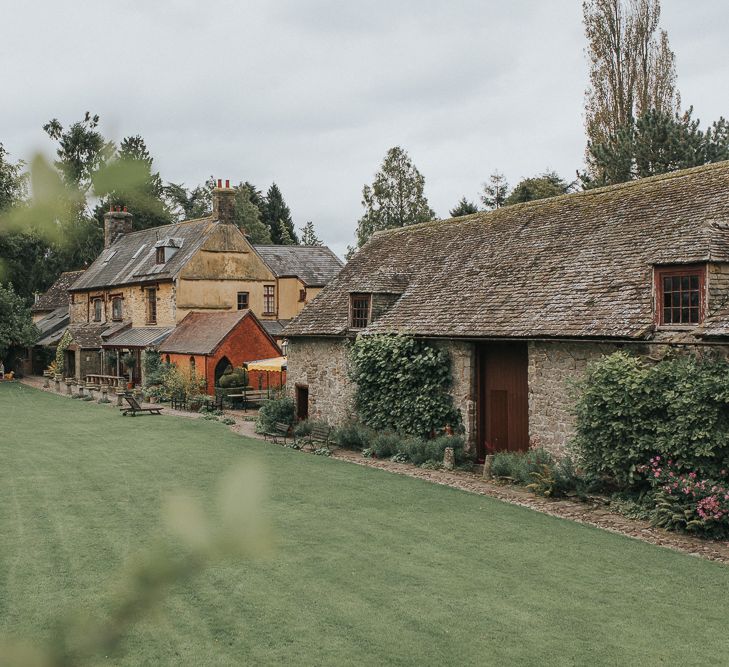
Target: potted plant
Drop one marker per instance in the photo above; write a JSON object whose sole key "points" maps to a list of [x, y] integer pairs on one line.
{"points": [[130, 363]]}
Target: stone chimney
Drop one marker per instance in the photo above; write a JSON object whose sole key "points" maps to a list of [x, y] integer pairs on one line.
{"points": [[116, 223], [224, 202]]}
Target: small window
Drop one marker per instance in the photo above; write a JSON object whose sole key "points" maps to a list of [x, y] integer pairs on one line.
{"points": [[192, 364], [160, 256], [167, 358], [151, 305], [680, 296], [302, 295], [242, 300], [97, 310], [360, 306], [116, 308], [269, 300]]}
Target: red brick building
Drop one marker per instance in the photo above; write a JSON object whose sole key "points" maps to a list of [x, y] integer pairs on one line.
{"points": [[209, 342]]}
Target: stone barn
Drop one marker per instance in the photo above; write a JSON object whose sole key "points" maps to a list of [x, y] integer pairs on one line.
{"points": [[524, 297]]}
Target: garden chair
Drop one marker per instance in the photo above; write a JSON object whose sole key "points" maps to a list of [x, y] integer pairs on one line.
{"points": [[280, 430], [319, 438], [134, 408]]}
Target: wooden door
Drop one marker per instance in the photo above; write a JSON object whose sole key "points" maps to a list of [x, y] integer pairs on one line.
{"points": [[503, 398]]}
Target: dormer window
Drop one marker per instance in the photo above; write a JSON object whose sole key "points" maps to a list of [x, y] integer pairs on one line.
{"points": [[360, 310], [680, 292], [166, 248]]}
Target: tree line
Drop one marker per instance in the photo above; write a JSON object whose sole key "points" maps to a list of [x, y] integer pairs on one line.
{"points": [[634, 126], [93, 173]]}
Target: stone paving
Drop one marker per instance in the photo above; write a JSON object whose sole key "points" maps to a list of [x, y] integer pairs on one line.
{"points": [[594, 514]]}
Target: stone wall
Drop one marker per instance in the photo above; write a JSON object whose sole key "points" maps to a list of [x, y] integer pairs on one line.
{"points": [[321, 364], [553, 369], [463, 365]]}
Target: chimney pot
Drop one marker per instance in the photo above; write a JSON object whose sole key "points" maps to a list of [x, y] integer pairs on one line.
{"points": [[220, 182], [227, 183], [125, 209]]}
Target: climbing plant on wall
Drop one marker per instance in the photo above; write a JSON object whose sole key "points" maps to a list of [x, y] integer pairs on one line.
{"points": [[61, 350], [403, 384]]}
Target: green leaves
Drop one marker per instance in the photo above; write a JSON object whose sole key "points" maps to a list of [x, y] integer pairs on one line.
{"points": [[403, 385], [628, 411]]}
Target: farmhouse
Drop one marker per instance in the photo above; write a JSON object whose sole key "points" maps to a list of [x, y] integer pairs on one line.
{"points": [[146, 282], [525, 296]]}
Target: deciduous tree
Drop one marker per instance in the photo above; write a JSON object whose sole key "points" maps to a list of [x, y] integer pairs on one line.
{"points": [[549, 184], [632, 67], [16, 324]]}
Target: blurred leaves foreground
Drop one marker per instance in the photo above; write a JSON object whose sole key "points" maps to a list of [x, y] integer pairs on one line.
{"points": [[194, 542]]}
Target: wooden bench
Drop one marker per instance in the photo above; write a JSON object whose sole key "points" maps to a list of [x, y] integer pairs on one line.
{"points": [[250, 398], [319, 438], [134, 408], [280, 430]]}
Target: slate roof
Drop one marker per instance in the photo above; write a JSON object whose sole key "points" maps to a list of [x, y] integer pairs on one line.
{"points": [[137, 337], [56, 295], [52, 326], [87, 336], [201, 333], [132, 257], [316, 266], [578, 265], [274, 327]]}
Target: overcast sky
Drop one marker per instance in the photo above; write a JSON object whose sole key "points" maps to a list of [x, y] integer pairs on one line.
{"points": [[311, 94]]}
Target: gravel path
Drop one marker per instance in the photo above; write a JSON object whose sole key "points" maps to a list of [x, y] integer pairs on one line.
{"points": [[593, 514]]}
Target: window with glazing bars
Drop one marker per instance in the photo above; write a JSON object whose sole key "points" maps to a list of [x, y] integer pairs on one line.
{"points": [[116, 308], [359, 310], [151, 306], [681, 296], [242, 300], [269, 299]]}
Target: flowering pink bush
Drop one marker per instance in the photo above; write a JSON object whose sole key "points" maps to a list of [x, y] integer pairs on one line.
{"points": [[685, 502]]}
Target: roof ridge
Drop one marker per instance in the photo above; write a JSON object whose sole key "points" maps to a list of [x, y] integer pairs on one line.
{"points": [[171, 224], [638, 182]]}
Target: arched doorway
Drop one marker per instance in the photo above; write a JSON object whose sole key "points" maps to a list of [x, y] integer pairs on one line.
{"points": [[220, 369]]}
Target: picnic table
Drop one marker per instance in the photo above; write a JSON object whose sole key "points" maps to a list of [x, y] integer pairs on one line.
{"points": [[111, 380]]}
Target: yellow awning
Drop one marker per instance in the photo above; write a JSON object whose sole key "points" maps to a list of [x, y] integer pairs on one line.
{"points": [[274, 364]]}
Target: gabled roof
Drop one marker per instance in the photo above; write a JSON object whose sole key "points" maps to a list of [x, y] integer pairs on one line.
{"points": [[56, 296], [132, 259], [572, 266], [315, 266], [201, 333]]}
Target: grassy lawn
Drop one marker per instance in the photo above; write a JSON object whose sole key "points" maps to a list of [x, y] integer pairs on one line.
{"points": [[368, 568]]}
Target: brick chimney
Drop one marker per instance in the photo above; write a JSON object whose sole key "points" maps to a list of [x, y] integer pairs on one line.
{"points": [[116, 223], [224, 202]]}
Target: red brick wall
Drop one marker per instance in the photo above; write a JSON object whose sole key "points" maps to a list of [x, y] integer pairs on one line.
{"points": [[246, 342]]}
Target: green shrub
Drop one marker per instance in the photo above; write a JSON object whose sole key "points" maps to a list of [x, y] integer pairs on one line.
{"points": [[521, 466], [629, 411], [306, 426], [385, 444], [403, 385], [354, 435], [419, 451], [237, 377], [277, 411]]}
